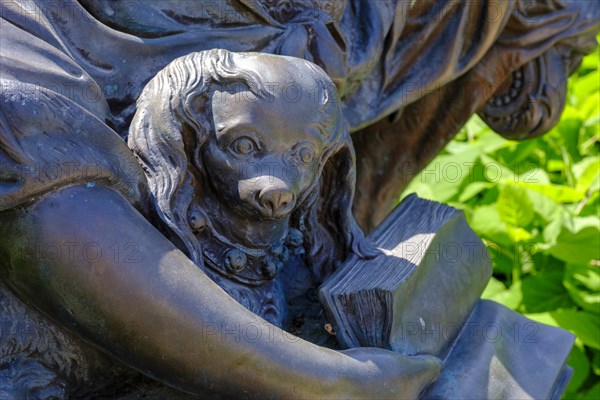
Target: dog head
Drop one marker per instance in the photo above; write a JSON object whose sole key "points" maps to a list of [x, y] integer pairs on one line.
{"points": [[262, 134], [267, 142]]}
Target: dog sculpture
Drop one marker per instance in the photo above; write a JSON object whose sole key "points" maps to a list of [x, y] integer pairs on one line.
{"points": [[248, 168]]}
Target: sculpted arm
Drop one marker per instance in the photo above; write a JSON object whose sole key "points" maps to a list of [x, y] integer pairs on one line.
{"points": [[157, 312]]}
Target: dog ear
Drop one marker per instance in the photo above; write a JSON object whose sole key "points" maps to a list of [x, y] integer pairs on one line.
{"points": [[160, 135], [331, 231]]}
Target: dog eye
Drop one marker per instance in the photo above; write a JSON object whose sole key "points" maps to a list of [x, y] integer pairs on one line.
{"points": [[306, 154], [243, 146]]}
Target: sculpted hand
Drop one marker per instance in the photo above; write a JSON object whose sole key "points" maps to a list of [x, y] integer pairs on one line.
{"points": [[386, 374]]}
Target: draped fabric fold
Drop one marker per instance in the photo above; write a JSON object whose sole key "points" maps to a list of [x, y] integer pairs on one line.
{"points": [[384, 56]]}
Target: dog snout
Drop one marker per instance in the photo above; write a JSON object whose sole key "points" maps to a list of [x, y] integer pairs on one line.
{"points": [[276, 202], [271, 196]]}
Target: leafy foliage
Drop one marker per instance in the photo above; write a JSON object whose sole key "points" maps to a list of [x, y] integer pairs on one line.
{"points": [[536, 206]]}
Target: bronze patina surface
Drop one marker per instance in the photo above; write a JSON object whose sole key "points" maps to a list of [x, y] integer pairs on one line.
{"points": [[177, 178]]}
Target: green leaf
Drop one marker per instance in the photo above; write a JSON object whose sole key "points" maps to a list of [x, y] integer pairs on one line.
{"points": [[490, 142], [587, 171], [421, 189], [581, 366], [530, 174], [545, 292], [493, 287], [486, 222], [585, 325], [588, 145], [590, 207], [555, 165], [445, 175], [583, 284], [516, 155], [587, 85], [543, 318], [514, 206], [592, 394], [578, 241], [495, 172], [553, 230], [590, 112], [544, 206], [568, 129], [472, 190], [511, 297], [519, 234], [502, 258], [591, 61], [595, 361], [559, 193]]}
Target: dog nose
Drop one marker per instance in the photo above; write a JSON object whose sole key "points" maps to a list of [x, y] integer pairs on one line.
{"points": [[277, 202]]}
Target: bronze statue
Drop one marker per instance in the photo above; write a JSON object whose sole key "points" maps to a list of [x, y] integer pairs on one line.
{"points": [[112, 263]]}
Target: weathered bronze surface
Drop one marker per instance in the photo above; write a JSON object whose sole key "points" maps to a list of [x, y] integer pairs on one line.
{"points": [[147, 184]]}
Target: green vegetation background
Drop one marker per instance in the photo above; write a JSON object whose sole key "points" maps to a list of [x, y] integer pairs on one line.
{"points": [[536, 206]]}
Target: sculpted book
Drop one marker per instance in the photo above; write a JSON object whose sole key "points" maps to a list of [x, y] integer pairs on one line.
{"points": [[399, 299]]}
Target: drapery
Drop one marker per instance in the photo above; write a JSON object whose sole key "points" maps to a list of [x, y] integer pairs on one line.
{"points": [[88, 60]]}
